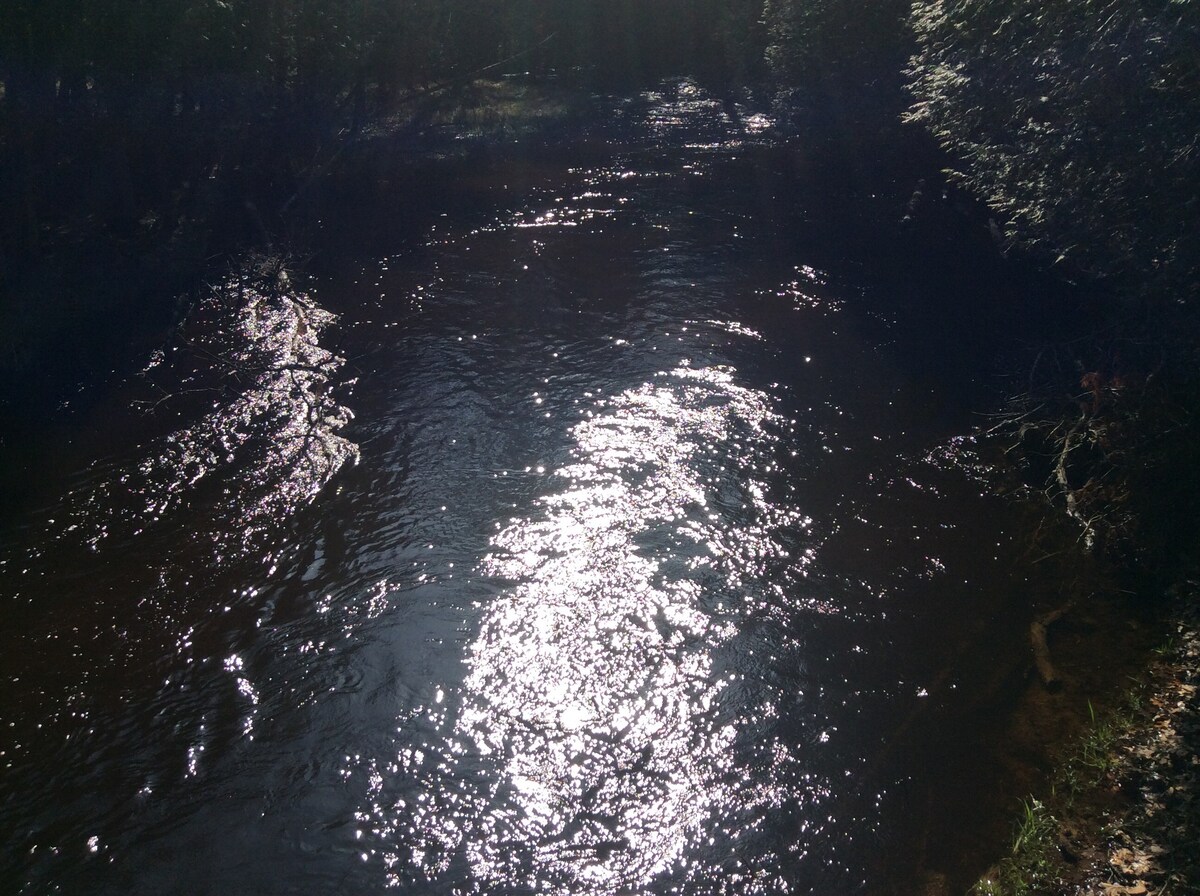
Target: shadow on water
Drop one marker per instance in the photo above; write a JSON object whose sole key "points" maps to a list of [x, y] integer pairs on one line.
{"points": [[655, 557]]}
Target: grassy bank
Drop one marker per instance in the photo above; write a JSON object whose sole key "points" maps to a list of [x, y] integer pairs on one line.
{"points": [[1121, 812]]}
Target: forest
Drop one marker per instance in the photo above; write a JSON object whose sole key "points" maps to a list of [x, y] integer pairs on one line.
{"points": [[152, 153]]}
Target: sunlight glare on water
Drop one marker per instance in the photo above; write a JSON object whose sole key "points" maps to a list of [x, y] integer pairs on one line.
{"points": [[660, 570], [273, 430], [592, 689]]}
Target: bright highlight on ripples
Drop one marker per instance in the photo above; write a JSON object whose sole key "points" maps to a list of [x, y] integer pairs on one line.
{"points": [[689, 103], [592, 746], [271, 440]]}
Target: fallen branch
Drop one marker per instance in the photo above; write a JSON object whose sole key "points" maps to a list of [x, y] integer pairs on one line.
{"points": [[1041, 650]]}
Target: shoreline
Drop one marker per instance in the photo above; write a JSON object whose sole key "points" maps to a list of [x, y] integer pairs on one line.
{"points": [[1118, 815]]}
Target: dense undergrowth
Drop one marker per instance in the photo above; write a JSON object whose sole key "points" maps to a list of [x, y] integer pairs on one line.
{"points": [[1076, 122], [1106, 429]]}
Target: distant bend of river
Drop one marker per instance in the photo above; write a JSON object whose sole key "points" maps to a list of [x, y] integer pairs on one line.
{"points": [[618, 536]]}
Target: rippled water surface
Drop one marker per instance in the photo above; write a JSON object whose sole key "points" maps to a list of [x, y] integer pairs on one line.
{"points": [[614, 537]]}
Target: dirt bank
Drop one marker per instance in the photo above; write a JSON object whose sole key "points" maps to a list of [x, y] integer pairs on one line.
{"points": [[1122, 812]]}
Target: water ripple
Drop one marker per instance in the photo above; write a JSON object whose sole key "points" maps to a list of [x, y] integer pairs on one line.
{"points": [[593, 694], [270, 440]]}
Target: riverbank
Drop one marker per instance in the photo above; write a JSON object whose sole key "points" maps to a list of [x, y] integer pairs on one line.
{"points": [[1103, 437], [1119, 814]]}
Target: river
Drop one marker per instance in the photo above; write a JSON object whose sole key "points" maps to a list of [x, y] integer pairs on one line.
{"points": [[596, 522]]}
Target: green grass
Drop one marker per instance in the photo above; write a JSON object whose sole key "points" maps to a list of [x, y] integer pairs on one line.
{"points": [[1031, 865], [1032, 862], [1096, 750]]}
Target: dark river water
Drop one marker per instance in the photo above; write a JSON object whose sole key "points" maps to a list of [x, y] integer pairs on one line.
{"points": [[618, 535]]}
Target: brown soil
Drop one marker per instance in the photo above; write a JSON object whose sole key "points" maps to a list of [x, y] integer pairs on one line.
{"points": [[1127, 820], [1149, 841]]}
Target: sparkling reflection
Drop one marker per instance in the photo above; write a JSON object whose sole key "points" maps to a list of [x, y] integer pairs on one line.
{"points": [[556, 634], [592, 725], [270, 440]]}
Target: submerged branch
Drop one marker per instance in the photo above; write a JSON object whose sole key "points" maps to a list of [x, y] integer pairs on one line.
{"points": [[1041, 649]]}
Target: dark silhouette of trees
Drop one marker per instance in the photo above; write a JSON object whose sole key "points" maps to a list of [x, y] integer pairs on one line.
{"points": [[824, 51], [116, 112], [1077, 122]]}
